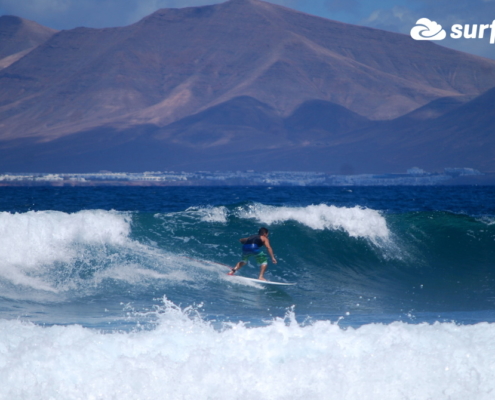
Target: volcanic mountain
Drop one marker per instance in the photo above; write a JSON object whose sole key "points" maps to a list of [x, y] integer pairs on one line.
{"points": [[18, 37], [242, 84]]}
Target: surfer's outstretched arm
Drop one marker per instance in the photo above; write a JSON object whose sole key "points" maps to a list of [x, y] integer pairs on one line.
{"points": [[266, 242]]}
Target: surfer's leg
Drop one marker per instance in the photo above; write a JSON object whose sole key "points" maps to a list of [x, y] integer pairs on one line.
{"points": [[263, 263], [262, 271], [237, 267]]}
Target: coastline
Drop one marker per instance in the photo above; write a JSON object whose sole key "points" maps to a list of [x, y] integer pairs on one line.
{"points": [[414, 177]]}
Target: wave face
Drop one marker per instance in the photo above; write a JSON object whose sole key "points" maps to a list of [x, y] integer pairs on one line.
{"points": [[123, 292], [353, 257], [347, 259]]}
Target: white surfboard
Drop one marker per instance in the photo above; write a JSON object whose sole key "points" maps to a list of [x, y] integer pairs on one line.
{"points": [[263, 282]]}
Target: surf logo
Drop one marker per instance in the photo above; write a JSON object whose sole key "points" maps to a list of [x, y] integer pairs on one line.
{"points": [[472, 32], [427, 30]]}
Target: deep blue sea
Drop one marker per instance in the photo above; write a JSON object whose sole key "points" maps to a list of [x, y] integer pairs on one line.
{"points": [[123, 293]]}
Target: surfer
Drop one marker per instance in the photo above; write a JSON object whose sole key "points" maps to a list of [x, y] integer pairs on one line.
{"points": [[251, 247]]}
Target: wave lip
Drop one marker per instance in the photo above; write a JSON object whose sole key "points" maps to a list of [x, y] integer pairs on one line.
{"points": [[210, 214], [356, 221]]}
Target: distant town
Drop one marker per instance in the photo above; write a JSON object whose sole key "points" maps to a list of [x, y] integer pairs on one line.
{"points": [[412, 177]]}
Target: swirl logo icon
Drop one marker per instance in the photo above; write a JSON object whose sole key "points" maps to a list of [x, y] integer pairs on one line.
{"points": [[427, 30]]}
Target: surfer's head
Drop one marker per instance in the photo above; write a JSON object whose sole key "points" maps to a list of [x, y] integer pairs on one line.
{"points": [[263, 232]]}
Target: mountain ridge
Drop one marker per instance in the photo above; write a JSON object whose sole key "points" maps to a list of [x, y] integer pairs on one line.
{"points": [[18, 36], [165, 81]]}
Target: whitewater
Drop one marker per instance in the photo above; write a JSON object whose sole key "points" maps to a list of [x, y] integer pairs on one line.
{"points": [[110, 293], [186, 358]]}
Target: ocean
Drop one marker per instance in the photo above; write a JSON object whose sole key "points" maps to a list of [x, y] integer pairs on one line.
{"points": [[123, 293]]}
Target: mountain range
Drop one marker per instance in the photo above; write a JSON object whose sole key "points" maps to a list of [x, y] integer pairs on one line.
{"points": [[243, 84]]}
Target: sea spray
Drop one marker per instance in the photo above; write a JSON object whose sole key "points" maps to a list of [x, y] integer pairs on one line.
{"points": [[184, 357], [56, 252], [32, 240]]}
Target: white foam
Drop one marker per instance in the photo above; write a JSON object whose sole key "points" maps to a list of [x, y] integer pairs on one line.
{"points": [[356, 221], [134, 274], [185, 358], [213, 214], [487, 220], [32, 240], [205, 214]]}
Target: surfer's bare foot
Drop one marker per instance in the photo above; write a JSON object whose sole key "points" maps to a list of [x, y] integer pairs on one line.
{"points": [[232, 271], [262, 272]]}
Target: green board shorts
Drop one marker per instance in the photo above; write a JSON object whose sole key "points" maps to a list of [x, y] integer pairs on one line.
{"points": [[260, 258]]}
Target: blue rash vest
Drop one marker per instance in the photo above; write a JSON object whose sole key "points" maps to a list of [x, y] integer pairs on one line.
{"points": [[253, 245]]}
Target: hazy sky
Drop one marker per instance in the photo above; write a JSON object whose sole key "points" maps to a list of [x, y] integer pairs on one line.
{"points": [[396, 16]]}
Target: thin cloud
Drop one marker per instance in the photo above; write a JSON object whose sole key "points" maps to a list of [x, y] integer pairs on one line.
{"points": [[397, 19], [446, 12]]}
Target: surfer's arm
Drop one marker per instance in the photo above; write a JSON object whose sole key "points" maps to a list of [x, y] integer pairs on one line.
{"points": [[266, 242], [243, 240]]}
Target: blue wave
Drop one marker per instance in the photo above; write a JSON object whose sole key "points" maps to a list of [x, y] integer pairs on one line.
{"points": [[369, 254]]}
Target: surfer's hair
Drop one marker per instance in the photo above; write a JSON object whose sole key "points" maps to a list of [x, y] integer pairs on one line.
{"points": [[263, 231]]}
